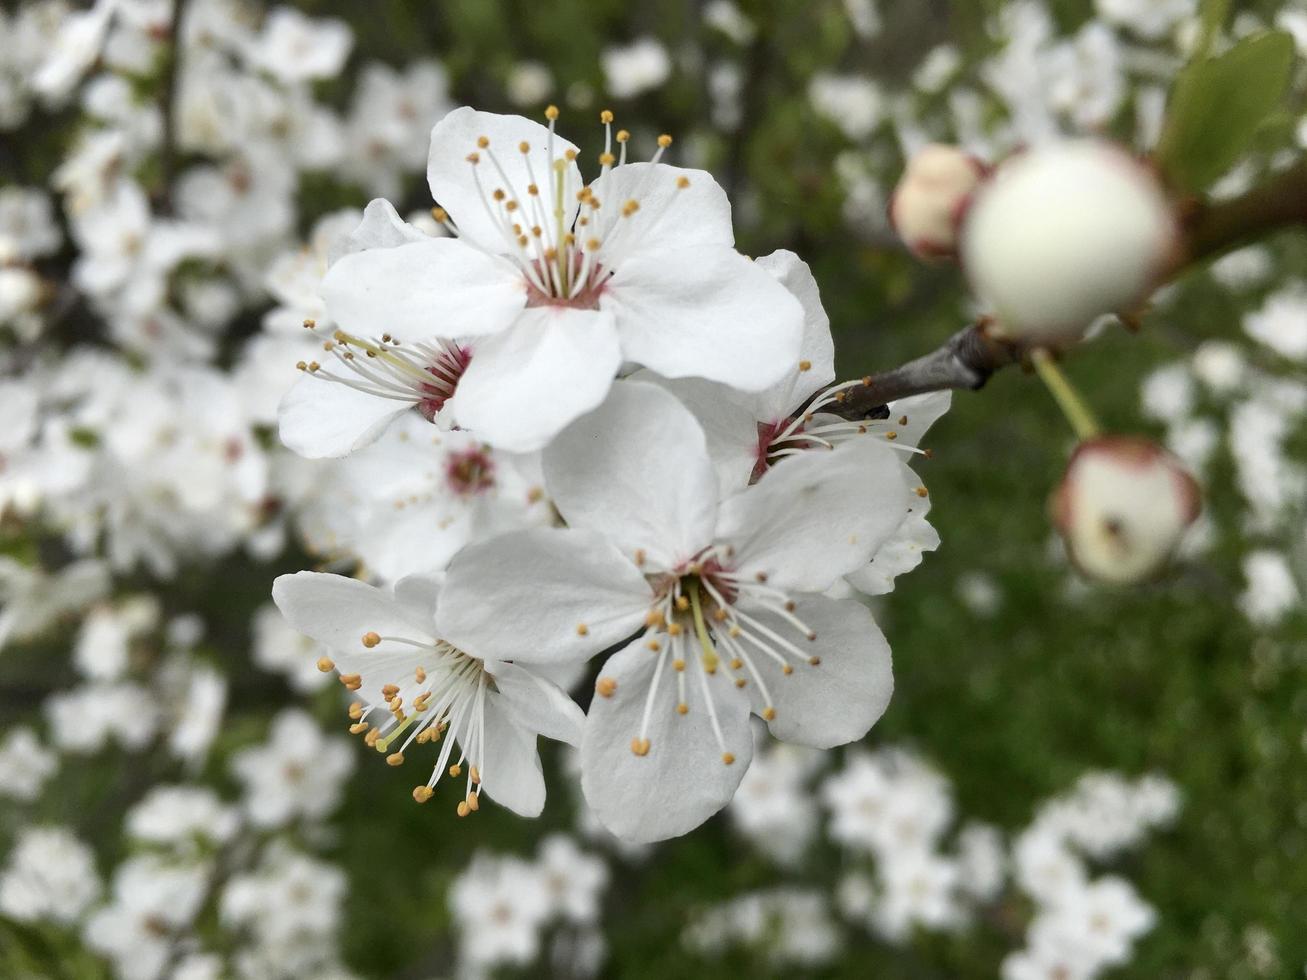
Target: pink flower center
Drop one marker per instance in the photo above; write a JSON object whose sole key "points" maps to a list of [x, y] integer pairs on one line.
{"points": [[470, 472], [445, 370]]}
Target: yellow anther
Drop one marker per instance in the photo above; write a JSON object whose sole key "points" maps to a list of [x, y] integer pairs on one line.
{"points": [[395, 759], [737, 663], [462, 809], [440, 214], [371, 639], [325, 665], [607, 159], [483, 141], [455, 771], [720, 614], [623, 135], [551, 112], [356, 710], [728, 758], [921, 491], [420, 702], [655, 618], [805, 365], [474, 158], [570, 155], [630, 207], [359, 727], [768, 714], [891, 436], [524, 147], [682, 182], [422, 793], [313, 366], [814, 661], [673, 629], [510, 206], [678, 664], [665, 140], [682, 603], [310, 323], [474, 775], [498, 194], [370, 739], [606, 687], [420, 674], [533, 190], [787, 670], [473, 802], [582, 629], [639, 556], [302, 365], [682, 708], [592, 245], [740, 682], [606, 116], [388, 691], [640, 746], [352, 681]]}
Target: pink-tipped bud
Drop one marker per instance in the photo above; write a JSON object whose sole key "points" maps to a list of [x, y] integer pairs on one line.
{"points": [[1063, 234], [1122, 508], [931, 197]]}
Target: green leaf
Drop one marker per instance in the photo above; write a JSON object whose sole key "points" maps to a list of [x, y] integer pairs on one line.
{"points": [[1212, 15], [1217, 106]]}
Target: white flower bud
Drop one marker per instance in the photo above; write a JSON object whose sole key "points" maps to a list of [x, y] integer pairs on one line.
{"points": [[1063, 234], [930, 198], [1122, 508]]}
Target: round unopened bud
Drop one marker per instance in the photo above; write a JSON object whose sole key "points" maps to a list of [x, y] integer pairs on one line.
{"points": [[931, 197], [1122, 508], [1063, 234]]}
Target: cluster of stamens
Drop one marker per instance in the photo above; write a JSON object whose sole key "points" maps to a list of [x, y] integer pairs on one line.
{"points": [[444, 697], [425, 374], [565, 261], [697, 618], [812, 429]]}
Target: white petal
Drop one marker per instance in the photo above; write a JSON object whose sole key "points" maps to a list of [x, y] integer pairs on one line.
{"points": [[536, 704], [729, 420], [526, 384], [670, 216], [682, 780], [921, 412], [440, 287], [381, 227], [510, 764], [816, 516], [451, 175], [638, 471], [902, 553], [337, 611], [817, 348], [838, 700], [705, 312], [525, 596], [321, 419]]}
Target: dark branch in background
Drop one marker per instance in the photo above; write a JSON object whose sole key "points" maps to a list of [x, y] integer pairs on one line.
{"points": [[168, 108], [968, 358]]}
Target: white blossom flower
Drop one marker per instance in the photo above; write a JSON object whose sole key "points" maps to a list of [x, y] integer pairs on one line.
{"points": [[299, 772], [281, 649], [25, 764], [295, 48], [555, 283], [723, 600], [416, 687], [789, 926], [931, 196], [918, 888], [183, 816], [1096, 923], [49, 874], [499, 904], [1281, 323], [78, 43], [852, 102], [1150, 19], [572, 878], [28, 229], [1272, 591], [152, 902], [773, 806], [83, 719], [635, 68], [528, 83]]}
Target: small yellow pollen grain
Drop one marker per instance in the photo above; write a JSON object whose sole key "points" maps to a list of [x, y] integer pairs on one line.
{"points": [[524, 146], [728, 758], [455, 771], [682, 708], [891, 436], [395, 759], [440, 214], [682, 182], [665, 140], [356, 710], [814, 661], [370, 739], [388, 691], [371, 639], [674, 629], [474, 158], [606, 687], [682, 603], [473, 802], [462, 809], [787, 670], [622, 135], [483, 141], [607, 159], [678, 664], [352, 681], [768, 714], [420, 674], [551, 112], [740, 682], [640, 746], [474, 775], [326, 665], [805, 365], [903, 420], [922, 491], [582, 629], [359, 727], [570, 155], [606, 116], [310, 323], [422, 793], [654, 645], [639, 556]]}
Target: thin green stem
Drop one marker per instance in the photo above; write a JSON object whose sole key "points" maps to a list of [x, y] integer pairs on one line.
{"points": [[1074, 407]]}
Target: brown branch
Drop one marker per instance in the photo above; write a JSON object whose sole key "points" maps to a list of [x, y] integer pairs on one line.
{"points": [[168, 83], [968, 358]]}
